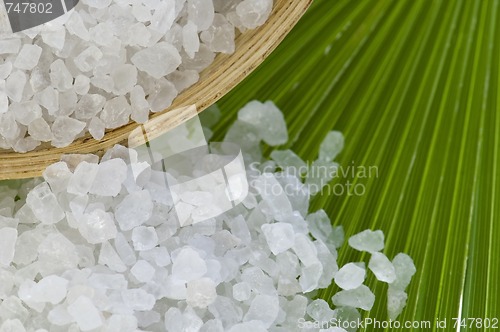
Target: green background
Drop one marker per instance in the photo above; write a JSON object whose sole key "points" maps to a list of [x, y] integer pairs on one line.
{"points": [[414, 87]]}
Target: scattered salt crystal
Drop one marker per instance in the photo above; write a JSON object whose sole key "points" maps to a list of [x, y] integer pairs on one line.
{"points": [[83, 178], [280, 236], [9, 46], [158, 60], [12, 325], [110, 258], [188, 265], [253, 13], [143, 271], [396, 301], [44, 204], [331, 146], [267, 119], [8, 237], [405, 269], [201, 292], [264, 308], [109, 178], [360, 297], [368, 240], [382, 267], [60, 76], [144, 238], [85, 314], [65, 130], [51, 289], [350, 276], [241, 291], [97, 226], [320, 311], [134, 210], [15, 84], [28, 57], [289, 161], [138, 299]]}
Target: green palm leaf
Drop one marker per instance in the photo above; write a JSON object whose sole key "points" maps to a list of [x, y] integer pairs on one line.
{"points": [[413, 86]]}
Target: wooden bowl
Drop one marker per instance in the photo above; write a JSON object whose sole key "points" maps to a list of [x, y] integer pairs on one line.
{"points": [[252, 47]]}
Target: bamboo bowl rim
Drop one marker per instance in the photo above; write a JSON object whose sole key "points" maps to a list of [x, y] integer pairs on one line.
{"points": [[252, 47]]}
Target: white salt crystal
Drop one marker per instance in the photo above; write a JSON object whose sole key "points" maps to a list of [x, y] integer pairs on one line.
{"points": [[82, 84], [201, 13], [9, 46], [124, 78], [8, 126], [57, 176], [360, 297], [279, 236], [134, 210], [83, 178], [258, 280], [305, 249], [319, 225], [65, 130], [44, 204], [191, 41], [319, 310], [55, 38], [109, 178], [368, 240], [264, 308], [289, 161], [76, 26], [382, 267], [396, 301], [143, 271], [405, 269], [310, 275], [89, 106], [116, 112], [51, 289], [8, 237], [350, 276], [124, 250], [97, 226], [241, 291], [88, 59], [267, 119], [162, 97], [60, 76], [85, 314], [331, 146], [201, 292], [12, 325], [110, 258], [97, 128], [158, 60], [254, 13], [138, 299], [188, 265], [14, 85], [28, 57], [144, 238], [48, 98]]}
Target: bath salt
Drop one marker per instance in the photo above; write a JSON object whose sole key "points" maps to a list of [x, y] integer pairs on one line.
{"points": [[94, 246], [119, 51]]}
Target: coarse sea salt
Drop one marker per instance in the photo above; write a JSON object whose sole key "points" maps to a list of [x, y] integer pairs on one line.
{"points": [[105, 63], [93, 247]]}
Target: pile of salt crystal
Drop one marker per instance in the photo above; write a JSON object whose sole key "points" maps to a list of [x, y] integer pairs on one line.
{"points": [[105, 63], [92, 247]]}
